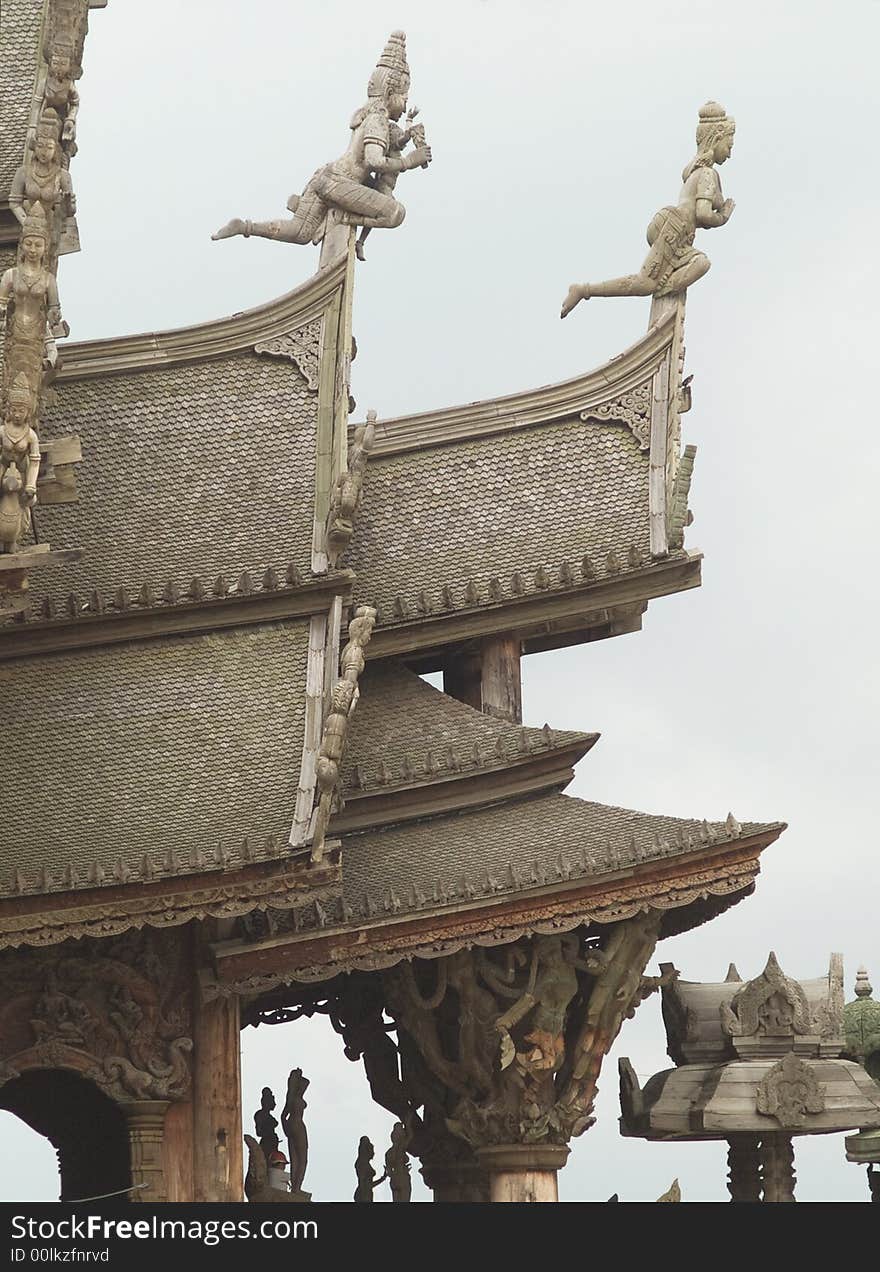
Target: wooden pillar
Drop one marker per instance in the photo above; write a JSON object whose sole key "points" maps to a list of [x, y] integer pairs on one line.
{"points": [[490, 680], [178, 1151], [523, 1172], [501, 684], [146, 1121], [217, 1130], [777, 1161], [461, 680], [744, 1168]]}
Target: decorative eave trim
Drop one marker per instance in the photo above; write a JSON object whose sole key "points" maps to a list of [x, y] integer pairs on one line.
{"points": [[721, 870], [95, 621], [508, 610], [495, 777], [623, 373], [285, 883], [205, 340]]}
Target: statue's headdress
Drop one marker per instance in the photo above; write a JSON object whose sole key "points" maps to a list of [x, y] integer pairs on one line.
{"points": [[20, 391], [35, 223], [392, 71], [49, 124], [714, 123]]}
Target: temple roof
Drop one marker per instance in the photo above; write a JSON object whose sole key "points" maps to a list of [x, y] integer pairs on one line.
{"points": [[406, 732], [520, 844], [172, 750], [21, 23], [471, 513]]}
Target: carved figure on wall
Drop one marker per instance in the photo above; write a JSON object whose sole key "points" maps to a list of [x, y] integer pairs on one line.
{"points": [[266, 1124], [345, 497], [115, 1012], [673, 263], [19, 463], [60, 91], [789, 1092], [351, 188], [366, 1175], [343, 700], [294, 1127], [43, 179], [397, 1168], [29, 300]]}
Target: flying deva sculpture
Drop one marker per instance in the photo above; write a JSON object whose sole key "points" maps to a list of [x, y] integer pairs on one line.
{"points": [[356, 189], [673, 263]]}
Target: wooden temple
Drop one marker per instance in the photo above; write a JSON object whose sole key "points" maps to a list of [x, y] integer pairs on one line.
{"points": [[237, 798]]}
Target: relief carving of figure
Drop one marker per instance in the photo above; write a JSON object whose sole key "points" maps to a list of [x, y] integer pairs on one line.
{"points": [[673, 263], [29, 300], [355, 189], [60, 92], [44, 179], [19, 463]]}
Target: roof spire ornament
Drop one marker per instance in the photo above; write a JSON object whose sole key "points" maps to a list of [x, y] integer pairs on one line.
{"points": [[673, 263], [356, 189]]}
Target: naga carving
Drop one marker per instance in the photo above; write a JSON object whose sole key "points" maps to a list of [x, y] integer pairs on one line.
{"points": [[115, 1012], [356, 189], [673, 262], [343, 700], [508, 1043], [345, 498]]}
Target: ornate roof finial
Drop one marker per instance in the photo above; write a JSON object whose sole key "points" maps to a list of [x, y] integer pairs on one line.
{"points": [[864, 988]]}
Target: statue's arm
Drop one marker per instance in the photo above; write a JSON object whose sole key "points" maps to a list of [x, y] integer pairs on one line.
{"points": [[376, 157], [33, 464], [709, 217], [16, 195], [6, 284]]}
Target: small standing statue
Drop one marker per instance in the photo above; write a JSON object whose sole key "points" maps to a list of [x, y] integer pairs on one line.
{"points": [[294, 1127], [19, 463], [355, 189], [29, 302], [366, 1175], [44, 180], [397, 1168], [673, 263], [265, 1124]]}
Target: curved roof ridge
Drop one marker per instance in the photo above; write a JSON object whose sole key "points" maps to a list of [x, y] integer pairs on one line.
{"points": [[201, 341], [620, 374]]}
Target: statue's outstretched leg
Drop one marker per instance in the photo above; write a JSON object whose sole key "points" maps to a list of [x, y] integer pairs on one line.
{"points": [[629, 285], [680, 279], [359, 204]]}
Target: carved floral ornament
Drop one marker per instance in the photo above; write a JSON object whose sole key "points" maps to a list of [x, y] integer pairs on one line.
{"points": [[116, 1013], [632, 409], [301, 346]]}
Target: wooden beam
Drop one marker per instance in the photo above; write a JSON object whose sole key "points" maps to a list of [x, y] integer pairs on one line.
{"points": [[501, 684]]}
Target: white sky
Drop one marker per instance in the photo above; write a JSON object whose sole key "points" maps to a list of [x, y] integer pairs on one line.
{"points": [[558, 130]]}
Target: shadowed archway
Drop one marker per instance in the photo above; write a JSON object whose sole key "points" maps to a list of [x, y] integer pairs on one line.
{"points": [[86, 1128]]}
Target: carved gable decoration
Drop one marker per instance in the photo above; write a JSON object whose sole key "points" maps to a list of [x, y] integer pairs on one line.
{"points": [[790, 1092], [632, 409], [302, 346], [116, 1012], [767, 1013]]}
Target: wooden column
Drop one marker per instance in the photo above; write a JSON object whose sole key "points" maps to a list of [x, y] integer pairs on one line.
{"points": [[777, 1161], [744, 1168], [146, 1120], [523, 1172], [456, 1181], [501, 685], [461, 680], [217, 1130], [488, 680], [177, 1147]]}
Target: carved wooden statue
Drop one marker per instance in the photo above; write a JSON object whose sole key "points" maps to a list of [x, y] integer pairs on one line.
{"points": [[29, 300], [44, 179], [346, 495], [366, 1175], [397, 1168], [355, 188], [673, 263], [294, 1127], [19, 463], [266, 1124]]}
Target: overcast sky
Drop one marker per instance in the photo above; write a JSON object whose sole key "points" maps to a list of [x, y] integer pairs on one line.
{"points": [[557, 131]]}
